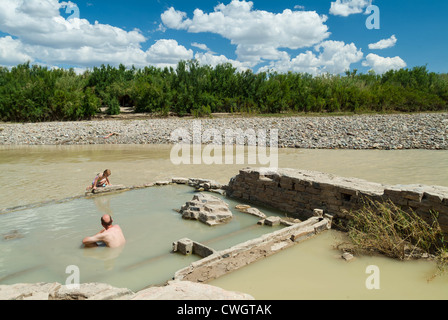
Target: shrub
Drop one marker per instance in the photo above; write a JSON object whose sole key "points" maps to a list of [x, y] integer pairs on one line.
{"points": [[386, 228]]}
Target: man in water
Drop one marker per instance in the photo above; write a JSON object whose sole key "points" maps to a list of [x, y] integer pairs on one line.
{"points": [[111, 235]]}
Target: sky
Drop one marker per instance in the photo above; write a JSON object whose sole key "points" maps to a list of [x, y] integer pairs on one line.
{"points": [[313, 36]]}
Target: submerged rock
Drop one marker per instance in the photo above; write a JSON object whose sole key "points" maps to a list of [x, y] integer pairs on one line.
{"points": [[250, 210], [347, 256], [13, 235], [208, 209]]}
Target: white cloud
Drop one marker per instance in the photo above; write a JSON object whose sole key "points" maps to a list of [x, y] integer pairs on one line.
{"points": [[201, 46], [347, 7], [40, 34], [39, 22], [384, 44], [174, 19], [337, 56], [12, 52], [167, 53], [257, 34], [334, 57], [43, 35], [212, 60], [383, 64]]}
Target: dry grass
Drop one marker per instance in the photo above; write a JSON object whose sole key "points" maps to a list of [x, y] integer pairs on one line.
{"points": [[385, 228]]}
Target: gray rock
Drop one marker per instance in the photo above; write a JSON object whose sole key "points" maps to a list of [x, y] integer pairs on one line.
{"points": [[388, 132], [13, 235], [179, 180], [207, 209], [250, 210], [174, 290], [21, 291], [272, 221], [186, 290], [90, 291], [347, 256]]}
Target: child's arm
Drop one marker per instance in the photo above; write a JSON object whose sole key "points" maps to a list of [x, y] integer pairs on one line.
{"points": [[95, 182]]}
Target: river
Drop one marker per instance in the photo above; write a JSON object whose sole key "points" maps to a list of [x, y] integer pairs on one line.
{"points": [[309, 270]]}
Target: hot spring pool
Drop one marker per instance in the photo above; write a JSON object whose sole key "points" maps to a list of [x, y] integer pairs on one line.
{"points": [[49, 238]]}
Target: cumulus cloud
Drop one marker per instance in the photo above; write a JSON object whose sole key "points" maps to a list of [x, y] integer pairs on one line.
{"points": [[38, 33], [257, 34], [213, 60], [384, 44], [12, 52], [174, 19], [332, 57], [42, 34], [39, 22], [383, 64], [167, 53], [347, 7], [202, 46]]}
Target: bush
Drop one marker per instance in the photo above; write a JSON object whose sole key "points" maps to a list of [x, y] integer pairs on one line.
{"points": [[113, 106], [35, 93]]}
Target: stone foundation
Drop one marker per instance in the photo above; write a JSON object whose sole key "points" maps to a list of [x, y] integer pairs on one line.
{"points": [[218, 263], [299, 192], [188, 247]]}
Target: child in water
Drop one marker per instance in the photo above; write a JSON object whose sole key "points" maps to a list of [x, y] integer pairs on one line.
{"points": [[101, 180]]}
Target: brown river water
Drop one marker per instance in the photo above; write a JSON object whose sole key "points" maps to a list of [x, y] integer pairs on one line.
{"points": [[310, 270]]}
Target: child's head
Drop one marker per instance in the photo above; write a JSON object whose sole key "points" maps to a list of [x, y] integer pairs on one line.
{"points": [[107, 172]]}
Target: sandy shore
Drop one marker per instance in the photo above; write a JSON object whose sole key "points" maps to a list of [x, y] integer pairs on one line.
{"points": [[399, 131]]}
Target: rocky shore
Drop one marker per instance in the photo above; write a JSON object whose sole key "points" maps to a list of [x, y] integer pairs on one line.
{"points": [[173, 290], [397, 131]]}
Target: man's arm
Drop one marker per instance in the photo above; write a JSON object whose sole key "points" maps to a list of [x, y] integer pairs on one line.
{"points": [[89, 241]]}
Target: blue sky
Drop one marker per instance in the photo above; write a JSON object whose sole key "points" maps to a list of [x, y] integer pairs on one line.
{"points": [[315, 36]]}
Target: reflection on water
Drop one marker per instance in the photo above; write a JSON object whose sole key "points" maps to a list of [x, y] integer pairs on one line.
{"points": [[102, 253], [103, 205], [34, 174]]}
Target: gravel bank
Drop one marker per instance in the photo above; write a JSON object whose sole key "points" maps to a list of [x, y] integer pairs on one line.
{"points": [[416, 131]]}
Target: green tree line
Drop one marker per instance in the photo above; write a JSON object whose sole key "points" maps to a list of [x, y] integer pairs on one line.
{"points": [[32, 93]]}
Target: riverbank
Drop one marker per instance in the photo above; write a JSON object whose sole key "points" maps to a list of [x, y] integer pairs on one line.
{"points": [[427, 131]]}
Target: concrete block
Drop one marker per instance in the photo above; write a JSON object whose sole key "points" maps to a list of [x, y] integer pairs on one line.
{"points": [[318, 213], [272, 221], [185, 246], [202, 250]]}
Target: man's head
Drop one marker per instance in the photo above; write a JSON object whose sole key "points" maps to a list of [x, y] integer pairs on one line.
{"points": [[106, 221]]}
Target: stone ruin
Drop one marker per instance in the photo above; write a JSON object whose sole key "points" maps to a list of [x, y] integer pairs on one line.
{"points": [[208, 209]]}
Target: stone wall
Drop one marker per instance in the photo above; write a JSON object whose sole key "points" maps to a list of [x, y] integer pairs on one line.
{"points": [[299, 192]]}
